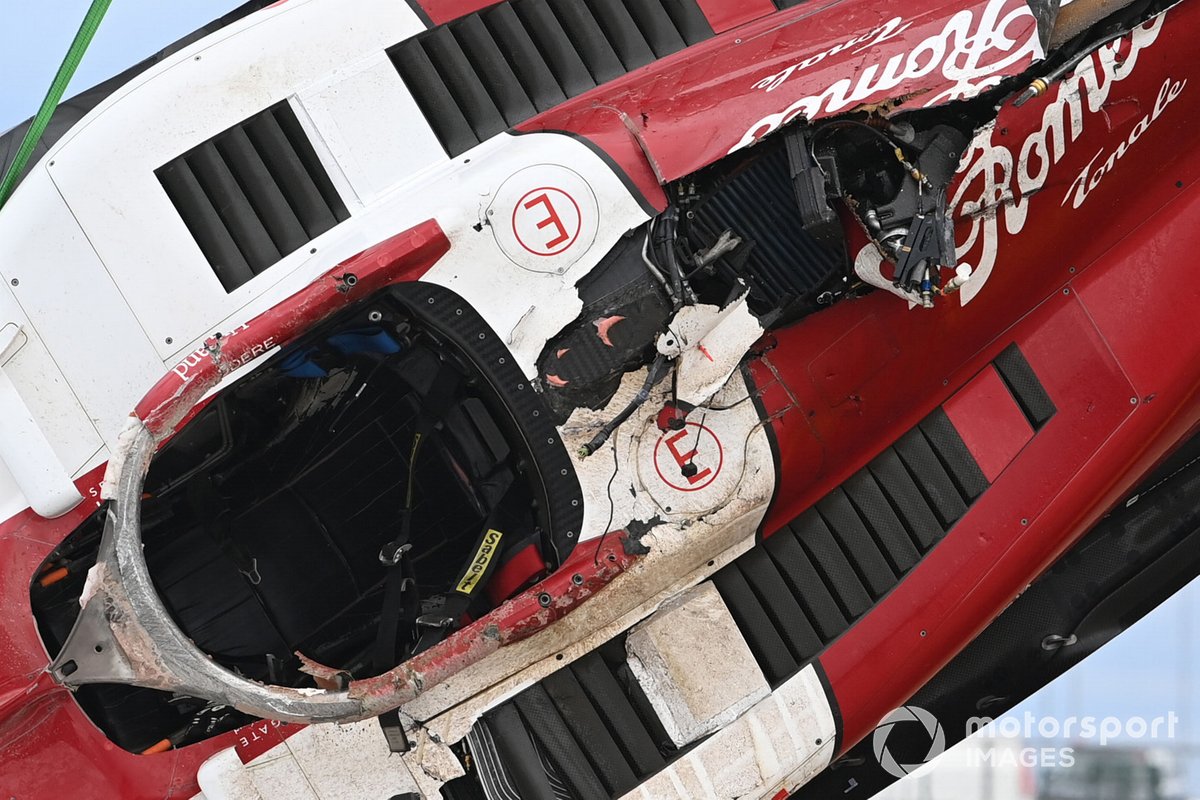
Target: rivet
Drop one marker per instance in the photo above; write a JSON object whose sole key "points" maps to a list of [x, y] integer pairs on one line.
{"points": [[574, 502], [1024, 521], [502, 361], [550, 440], [15, 282], [562, 472], [577, 579], [1066, 291], [170, 340], [923, 634], [375, 316], [430, 301], [570, 534], [545, 600], [482, 336], [1133, 401], [458, 312]]}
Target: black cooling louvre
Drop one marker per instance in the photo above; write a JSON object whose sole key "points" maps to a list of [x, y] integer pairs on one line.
{"points": [[588, 732], [489, 71], [253, 194], [808, 583]]}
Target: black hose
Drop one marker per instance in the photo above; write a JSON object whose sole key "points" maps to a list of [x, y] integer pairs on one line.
{"points": [[652, 378]]}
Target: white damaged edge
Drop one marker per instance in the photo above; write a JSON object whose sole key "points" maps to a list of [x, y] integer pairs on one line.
{"points": [[126, 442], [778, 745]]}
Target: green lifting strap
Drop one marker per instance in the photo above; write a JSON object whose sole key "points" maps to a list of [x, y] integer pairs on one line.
{"points": [[66, 71]]}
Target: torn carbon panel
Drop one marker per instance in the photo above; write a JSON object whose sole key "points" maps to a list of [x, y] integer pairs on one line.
{"points": [[494, 69], [808, 583]]}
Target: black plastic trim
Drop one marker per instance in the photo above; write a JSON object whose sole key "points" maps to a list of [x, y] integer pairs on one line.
{"points": [[444, 311], [1026, 389], [493, 69]]}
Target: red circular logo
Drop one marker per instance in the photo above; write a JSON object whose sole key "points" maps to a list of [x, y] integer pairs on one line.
{"points": [[689, 460], [547, 221]]}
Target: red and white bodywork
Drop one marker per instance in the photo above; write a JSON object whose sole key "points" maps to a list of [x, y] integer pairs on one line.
{"points": [[1074, 213]]}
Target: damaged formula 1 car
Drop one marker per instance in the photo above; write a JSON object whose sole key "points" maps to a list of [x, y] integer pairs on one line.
{"points": [[589, 398]]}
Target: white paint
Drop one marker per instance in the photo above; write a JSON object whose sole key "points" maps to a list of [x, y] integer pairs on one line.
{"points": [[320, 762], [973, 52], [708, 344], [637, 491], [105, 167], [117, 274], [694, 666], [41, 477], [998, 179], [361, 114], [545, 218], [1092, 175], [781, 742], [868, 265], [223, 777]]}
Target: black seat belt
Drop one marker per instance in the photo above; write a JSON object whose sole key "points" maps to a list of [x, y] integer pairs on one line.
{"points": [[401, 595], [473, 578]]}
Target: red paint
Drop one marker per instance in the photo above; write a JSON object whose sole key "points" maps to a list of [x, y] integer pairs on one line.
{"points": [[724, 15], [677, 449], [257, 738], [543, 209], [515, 573], [709, 96], [989, 421], [48, 747], [1105, 321], [405, 257], [604, 326], [1100, 350], [585, 572], [443, 11], [846, 365], [1123, 332]]}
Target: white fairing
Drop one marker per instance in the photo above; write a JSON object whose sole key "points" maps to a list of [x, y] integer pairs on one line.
{"points": [[105, 290], [109, 289]]}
